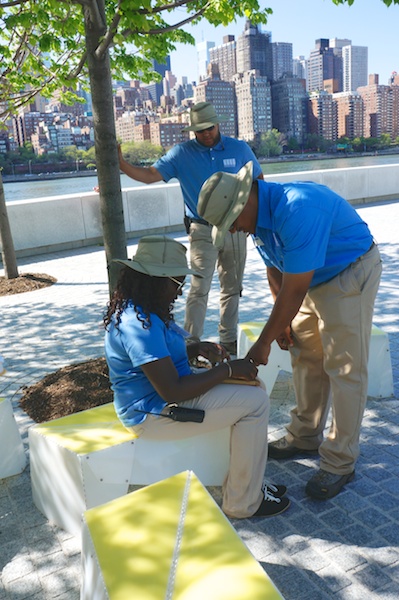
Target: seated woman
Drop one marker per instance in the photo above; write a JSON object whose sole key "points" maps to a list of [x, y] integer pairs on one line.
{"points": [[149, 370]]}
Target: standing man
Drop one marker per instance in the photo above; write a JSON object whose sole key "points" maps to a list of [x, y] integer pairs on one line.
{"points": [[324, 271], [192, 162]]}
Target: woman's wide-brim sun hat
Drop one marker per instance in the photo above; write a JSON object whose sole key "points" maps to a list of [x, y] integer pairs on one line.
{"points": [[159, 256], [222, 199], [202, 116]]}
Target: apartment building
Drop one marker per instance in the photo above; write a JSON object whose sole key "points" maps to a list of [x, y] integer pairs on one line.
{"points": [[254, 51], [222, 95], [355, 67], [167, 134], [377, 101], [290, 107], [322, 115], [282, 61], [254, 104], [350, 117], [225, 57]]}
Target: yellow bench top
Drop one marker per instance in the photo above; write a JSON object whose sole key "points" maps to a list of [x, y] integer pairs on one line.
{"points": [[87, 431], [171, 540]]}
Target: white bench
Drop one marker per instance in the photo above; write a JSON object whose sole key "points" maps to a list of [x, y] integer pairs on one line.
{"points": [[380, 383], [89, 458], [12, 454], [168, 540]]}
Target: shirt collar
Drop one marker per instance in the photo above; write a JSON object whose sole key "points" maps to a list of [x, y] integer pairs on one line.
{"points": [[264, 219]]}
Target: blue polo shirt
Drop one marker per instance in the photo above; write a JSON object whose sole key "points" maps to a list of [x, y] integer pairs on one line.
{"points": [[127, 348], [303, 226], [192, 164]]}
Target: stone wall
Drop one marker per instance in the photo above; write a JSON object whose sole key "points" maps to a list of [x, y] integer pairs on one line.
{"points": [[72, 221]]}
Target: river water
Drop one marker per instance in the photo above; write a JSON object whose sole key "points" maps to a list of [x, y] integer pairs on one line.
{"points": [[26, 190]]}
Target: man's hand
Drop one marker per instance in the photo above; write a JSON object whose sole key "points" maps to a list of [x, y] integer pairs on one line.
{"points": [[285, 339], [259, 353]]}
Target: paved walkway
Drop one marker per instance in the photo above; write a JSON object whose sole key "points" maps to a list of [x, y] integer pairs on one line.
{"points": [[346, 548]]}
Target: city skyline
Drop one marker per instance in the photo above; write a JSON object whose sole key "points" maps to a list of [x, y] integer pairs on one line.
{"points": [[366, 23]]}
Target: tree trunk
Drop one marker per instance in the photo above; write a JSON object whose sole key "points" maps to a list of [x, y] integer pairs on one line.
{"points": [[7, 244], [105, 146]]}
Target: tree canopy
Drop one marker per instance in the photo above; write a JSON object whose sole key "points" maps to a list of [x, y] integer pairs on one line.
{"points": [[49, 46], [43, 45]]}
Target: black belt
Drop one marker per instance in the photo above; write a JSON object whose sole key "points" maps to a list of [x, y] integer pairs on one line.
{"points": [[373, 245]]}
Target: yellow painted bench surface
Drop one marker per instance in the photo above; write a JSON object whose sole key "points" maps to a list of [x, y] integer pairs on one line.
{"points": [[147, 550], [87, 431]]}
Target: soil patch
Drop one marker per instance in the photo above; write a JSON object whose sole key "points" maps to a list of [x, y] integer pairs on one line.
{"points": [[26, 282], [69, 390]]}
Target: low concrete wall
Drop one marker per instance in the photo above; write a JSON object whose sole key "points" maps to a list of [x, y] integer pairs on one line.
{"points": [[359, 185], [45, 225], [62, 222]]}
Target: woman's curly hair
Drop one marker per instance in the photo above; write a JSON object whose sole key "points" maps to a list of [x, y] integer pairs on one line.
{"points": [[146, 293]]}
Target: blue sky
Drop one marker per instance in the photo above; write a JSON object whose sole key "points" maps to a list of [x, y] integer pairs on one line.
{"points": [[367, 23]]}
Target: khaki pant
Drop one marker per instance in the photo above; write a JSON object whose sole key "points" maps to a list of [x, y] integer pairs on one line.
{"points": [[246, 410], [230, 261], [330, 355]]}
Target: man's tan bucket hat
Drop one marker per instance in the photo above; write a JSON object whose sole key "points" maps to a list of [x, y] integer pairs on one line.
{"points": [[222, 199], [202, 116]]}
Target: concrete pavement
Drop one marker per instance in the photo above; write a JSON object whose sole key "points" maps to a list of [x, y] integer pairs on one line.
{"points": [[346, 548]]}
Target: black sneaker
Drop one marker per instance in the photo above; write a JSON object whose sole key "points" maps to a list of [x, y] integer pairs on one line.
{"points": [[283, 449], [324, 485], [271, 506], [275, 490]]}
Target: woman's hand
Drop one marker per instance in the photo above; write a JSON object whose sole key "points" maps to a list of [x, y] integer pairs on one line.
{"points": [[215, 353]]}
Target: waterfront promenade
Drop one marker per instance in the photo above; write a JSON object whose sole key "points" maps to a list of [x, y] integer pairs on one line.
{"points": [[346, 548]]}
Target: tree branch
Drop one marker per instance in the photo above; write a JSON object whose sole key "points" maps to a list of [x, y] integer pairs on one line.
{"points": [[108, 39], [11, 3], [79, 67], [146, 11], [109, 36], [129, 32]]}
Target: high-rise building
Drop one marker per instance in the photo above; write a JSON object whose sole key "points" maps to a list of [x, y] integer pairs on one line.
{"points": [[290, 107], [394, 83], [203, 58], [322, 118], [320, 65], [254, 106], [225, 57], [156, 89], [349, 114], [325, 63], [169, 82], [222, 95], [355, 67], [254, 51], [300, 67], [377, 101], [281, 59]]}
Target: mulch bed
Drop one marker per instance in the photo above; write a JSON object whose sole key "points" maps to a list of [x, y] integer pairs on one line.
{"points": [[69, 390], [25, 282]]}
